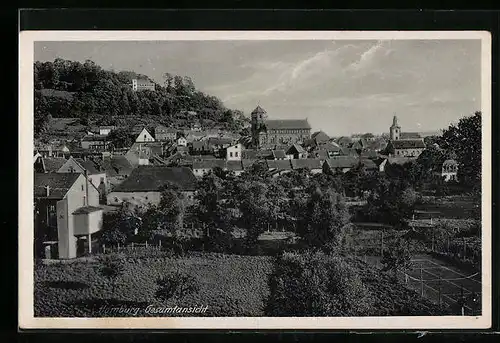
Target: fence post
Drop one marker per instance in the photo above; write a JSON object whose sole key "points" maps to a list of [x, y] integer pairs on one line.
{"points": [[422, 281], [382, 244], [465, 247]]}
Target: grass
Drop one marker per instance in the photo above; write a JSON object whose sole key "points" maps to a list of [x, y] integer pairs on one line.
{"points": [[229, 285]]}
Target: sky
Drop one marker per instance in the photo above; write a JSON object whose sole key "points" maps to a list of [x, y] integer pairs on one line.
{"points": [[342, 87]]}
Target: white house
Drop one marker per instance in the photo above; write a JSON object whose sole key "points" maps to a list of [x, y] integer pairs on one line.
{"points": [[66, 215], [233, 153], [95, 174], [144, 136], [105, 130], [181, 141], [449, 170]]}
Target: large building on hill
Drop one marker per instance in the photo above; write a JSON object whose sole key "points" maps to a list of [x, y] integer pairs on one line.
{"points": [[267, 132], [404, 144], [142, 84]]}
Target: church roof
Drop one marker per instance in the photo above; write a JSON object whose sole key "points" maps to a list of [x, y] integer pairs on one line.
{"points": [[258, 109], [408, 144], [278, 124]]}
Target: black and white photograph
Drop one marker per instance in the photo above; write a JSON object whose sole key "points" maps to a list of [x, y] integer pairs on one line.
{"points": [[255, 179]]}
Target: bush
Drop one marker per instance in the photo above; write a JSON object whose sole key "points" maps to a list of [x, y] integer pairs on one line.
{"points": [[315, 284], [176, 284]]}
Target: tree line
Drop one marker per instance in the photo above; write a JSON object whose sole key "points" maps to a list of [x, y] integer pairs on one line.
{"points": [[66, 88]]}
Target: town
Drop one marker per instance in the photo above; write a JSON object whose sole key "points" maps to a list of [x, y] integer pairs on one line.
{"points": [[216, 195]]}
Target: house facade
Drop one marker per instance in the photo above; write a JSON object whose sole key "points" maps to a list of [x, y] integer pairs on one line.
{"points": [[142, 84], [95, 175], [233, 152], [66, 215], [106, 130], [163, 133], [143, 186], [144, 136], [95, 142], [449, 170]]}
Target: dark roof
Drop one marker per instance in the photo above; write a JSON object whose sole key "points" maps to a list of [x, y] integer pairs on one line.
{"points": [[410, 135], [398, 160], [310, 163], [258, 109], [279, 154], [344, 141], [200, 145], [369, 164], [297, 149], [348, 152], [117, 165], [369, 154], [53, 164], [59, 184], [330, 147], [322, 154], [255, 154], [152, 178], [87, 209], [278, 124], [203, 157], [320, 137], [209, 164], [219, 141], [234, 165], [342, 162], [247, 163], [408, 144], [161, 128], [280, 164], [90, 166]]}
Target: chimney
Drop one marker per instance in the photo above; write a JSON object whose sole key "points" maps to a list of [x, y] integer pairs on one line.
{"points": [[47, 189]]}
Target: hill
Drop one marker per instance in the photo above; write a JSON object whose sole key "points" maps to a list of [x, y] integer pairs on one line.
{"points": [[68, 89]]}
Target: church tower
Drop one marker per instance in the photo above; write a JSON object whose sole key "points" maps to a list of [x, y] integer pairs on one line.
{"points": [[395, 130], [258, 118]]}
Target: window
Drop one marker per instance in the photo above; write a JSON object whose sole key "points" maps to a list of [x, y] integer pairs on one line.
{"points": [[230, 154], [144, 137], [102, 180], [236, 154], [82, 188], [116, 199]]}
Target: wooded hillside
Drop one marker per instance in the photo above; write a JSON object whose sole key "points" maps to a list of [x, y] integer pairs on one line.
{"points": [[68, 89]]}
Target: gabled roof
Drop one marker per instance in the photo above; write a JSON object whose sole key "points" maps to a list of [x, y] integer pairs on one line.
{"points": [[88, 165], [296, 148], [117, 165], [369, 154], [348, 152], [342, 162], [279, 154], [59, 184], [320, 137], [53, 164], [279, 164], [369, 164], [152, 178], [279, 124], [310, 163], [408, 144]]}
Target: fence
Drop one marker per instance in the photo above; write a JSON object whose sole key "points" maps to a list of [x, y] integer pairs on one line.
{"points": [[461, 294]]}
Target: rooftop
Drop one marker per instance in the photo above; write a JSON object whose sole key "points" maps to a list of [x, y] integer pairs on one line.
{"points": [[59, 184], [310, 163], [87, 210], [152, 178], [408, 144], [279, 124]]}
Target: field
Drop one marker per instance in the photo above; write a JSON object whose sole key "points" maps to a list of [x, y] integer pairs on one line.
{"points": [[230, 285], [452, 207]]}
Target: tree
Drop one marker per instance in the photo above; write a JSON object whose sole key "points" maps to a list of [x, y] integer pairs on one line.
{"points": [[112, 267], [324, 219], [315, 284], [397, 256], [464, 139], [121, 138], [176, 284]]}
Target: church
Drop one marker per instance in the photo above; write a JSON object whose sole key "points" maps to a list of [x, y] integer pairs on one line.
{"points": [[404, 144], [277, 132]]}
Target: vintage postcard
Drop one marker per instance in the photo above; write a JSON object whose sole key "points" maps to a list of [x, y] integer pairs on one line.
{"points": [[255, 180]]}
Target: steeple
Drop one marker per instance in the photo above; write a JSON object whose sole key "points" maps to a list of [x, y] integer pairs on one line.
{"points": [[395, 130], [395, 121]]}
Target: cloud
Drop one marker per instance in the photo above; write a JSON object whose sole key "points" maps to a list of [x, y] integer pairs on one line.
{"points": [[366, 57]]}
